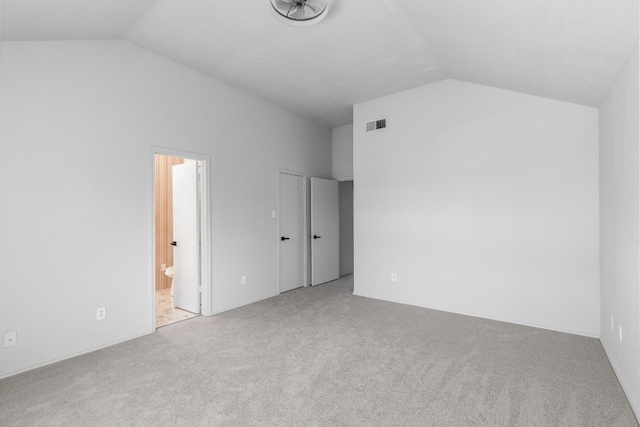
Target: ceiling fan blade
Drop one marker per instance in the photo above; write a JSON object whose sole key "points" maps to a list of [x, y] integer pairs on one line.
{"points": [[283, 4], [314, 9], [317, 9], [298, 13]]}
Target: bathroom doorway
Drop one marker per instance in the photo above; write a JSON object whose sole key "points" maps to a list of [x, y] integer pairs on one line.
{"points": [[180, 243]]}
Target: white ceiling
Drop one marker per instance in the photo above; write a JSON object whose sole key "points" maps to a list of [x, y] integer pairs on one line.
{"points": [[69, 19], [570, 50]]}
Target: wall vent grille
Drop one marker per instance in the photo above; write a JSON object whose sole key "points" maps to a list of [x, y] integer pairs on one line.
{"points": [[376, 124]]}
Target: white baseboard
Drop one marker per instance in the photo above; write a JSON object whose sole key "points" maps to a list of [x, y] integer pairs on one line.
{"points": [[222, 310], [635, 406], [80, 353], [482, 316]]}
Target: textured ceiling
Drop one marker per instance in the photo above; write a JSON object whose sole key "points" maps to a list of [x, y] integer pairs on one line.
{"points": [[569, 50]]}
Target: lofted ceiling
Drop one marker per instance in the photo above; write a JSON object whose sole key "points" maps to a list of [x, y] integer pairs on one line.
{"points": [[570, 50]]}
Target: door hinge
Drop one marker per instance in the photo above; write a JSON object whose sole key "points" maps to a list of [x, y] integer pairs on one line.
{"points": [[200, 289]]}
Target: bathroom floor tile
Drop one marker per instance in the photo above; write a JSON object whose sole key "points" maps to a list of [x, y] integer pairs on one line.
{"points": [[165, 315]]}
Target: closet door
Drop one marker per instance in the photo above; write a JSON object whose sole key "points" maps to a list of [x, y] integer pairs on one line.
{"points": [[325, 230]]}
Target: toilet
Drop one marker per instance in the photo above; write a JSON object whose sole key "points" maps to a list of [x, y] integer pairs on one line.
{"points": [[169, 273]]}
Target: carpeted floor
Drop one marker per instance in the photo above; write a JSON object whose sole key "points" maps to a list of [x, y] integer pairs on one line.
{"points": [[323, 357]]}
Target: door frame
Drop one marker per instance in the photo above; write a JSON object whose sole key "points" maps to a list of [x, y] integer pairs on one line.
{"points": [[305, 236], [206, 285]]}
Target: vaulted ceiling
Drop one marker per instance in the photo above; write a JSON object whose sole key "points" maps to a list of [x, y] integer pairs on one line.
{"points": [[570, 50]]}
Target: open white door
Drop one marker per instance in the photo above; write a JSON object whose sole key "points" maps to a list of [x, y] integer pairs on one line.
{"points": [[325, 231], [291, 241], [186, 234]]}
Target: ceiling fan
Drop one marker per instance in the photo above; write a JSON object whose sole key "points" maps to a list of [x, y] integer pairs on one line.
{"points": [[300, 12]]}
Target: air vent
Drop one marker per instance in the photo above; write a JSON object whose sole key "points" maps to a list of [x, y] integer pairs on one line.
{"points": [[375, 125]]}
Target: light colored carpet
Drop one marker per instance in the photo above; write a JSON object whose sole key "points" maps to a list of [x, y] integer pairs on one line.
{"points": [[322, 357]]}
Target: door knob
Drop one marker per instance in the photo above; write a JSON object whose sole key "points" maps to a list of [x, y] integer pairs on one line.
{"points": [[284, 238], [317, 237], [174, 243]]}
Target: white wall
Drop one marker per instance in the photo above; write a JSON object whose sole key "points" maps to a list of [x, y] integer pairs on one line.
{"points": [[482, 201], [342, 153], [619, 236], [77, 121]]}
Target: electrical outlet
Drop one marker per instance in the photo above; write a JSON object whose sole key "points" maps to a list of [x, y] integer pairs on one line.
{"points": [[244, 280], [613, 324], [394, 278], [10, 339], [163, 267], [620, 332], [101, 313]]}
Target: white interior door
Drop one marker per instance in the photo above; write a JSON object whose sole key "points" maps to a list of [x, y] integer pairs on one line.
{"points": [[291, 241], [186, 253], [325, 230]]}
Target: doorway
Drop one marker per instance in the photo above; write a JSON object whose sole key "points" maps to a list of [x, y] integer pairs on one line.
{"points": [[180, 236]]}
